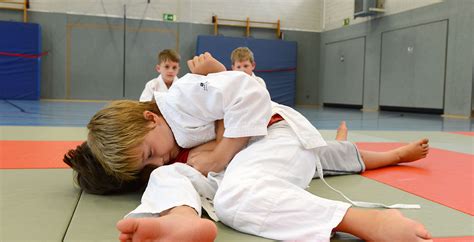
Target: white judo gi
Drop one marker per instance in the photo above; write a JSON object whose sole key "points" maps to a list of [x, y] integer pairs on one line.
{"points": [[152, 86], [259, 80], [262, 191]]}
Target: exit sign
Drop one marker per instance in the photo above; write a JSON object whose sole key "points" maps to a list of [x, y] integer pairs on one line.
{"points": [[169, 17], [346, 21]]}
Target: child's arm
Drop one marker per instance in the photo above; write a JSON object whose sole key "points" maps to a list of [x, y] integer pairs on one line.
{"points": [[211, 145], [219, 130], [217, 159], [205, 160]]}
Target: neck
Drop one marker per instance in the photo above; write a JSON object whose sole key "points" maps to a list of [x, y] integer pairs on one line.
{"points": [[174, 153], [167, 82], [176, 149]]}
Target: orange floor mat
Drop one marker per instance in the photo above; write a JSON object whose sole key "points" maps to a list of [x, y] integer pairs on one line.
{"points": [[464, 133], [34, 154], [444, 176]]}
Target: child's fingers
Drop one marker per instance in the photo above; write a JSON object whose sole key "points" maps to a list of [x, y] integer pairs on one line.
{"points": [[207, 55], [196, 60], [191, 65], [201, 58]]}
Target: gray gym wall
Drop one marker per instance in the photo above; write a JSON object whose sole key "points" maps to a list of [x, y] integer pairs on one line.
{"points": [[85, 54], [436, 68]]}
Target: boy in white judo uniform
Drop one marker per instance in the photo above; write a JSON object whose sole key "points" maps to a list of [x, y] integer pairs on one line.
{"points": [[168, 67], [261, 191]]}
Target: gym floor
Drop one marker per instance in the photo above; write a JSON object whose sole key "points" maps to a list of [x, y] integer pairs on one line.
{"points": [[39, 200]]}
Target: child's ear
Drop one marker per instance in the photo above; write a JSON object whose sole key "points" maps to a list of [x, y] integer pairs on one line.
{"points": [[233, 67], [150, 116], [254, 64], [157, 68]]}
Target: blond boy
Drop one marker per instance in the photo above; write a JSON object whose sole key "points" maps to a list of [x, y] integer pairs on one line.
{"points": [[243, 60], [168, 67]]}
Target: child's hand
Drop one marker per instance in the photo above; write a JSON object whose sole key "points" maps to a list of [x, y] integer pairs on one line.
{"points": [[205, 64], [204, 162], [217, 159]]}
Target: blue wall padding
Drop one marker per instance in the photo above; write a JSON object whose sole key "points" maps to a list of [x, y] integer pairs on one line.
{"points": [[275, 59], [20, 62]]}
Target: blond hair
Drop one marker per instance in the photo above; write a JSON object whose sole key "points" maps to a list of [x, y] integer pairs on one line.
{"points": [[168, 55], [115, 134], [242, 54]]}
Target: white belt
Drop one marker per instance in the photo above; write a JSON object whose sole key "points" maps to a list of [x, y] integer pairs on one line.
{"points": [[360, 203]]}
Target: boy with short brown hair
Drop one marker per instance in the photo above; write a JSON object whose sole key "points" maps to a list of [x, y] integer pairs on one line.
{"points": [[168, 67]]}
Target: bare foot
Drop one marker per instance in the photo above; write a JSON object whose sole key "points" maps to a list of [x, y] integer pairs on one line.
{"points": [[382, 225], [341, 133], [391, 225], [414, 151], [205, 64], [167, 228]]}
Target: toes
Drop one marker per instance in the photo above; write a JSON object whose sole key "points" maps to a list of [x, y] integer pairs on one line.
{"points": [[422, 142], [422, 232], [125, 237], [127, 225]]}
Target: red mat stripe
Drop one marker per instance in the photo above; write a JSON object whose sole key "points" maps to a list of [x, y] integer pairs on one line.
{"points": [[464, 133], [445, 177], [34, 154]]}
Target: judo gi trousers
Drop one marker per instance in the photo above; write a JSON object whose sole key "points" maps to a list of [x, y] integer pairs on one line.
{"points": [[263, 189]]}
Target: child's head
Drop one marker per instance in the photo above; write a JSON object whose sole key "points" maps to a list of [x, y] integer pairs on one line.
{"points": [[91, 176], [242, 60], [168, 65], [116, 135]]}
